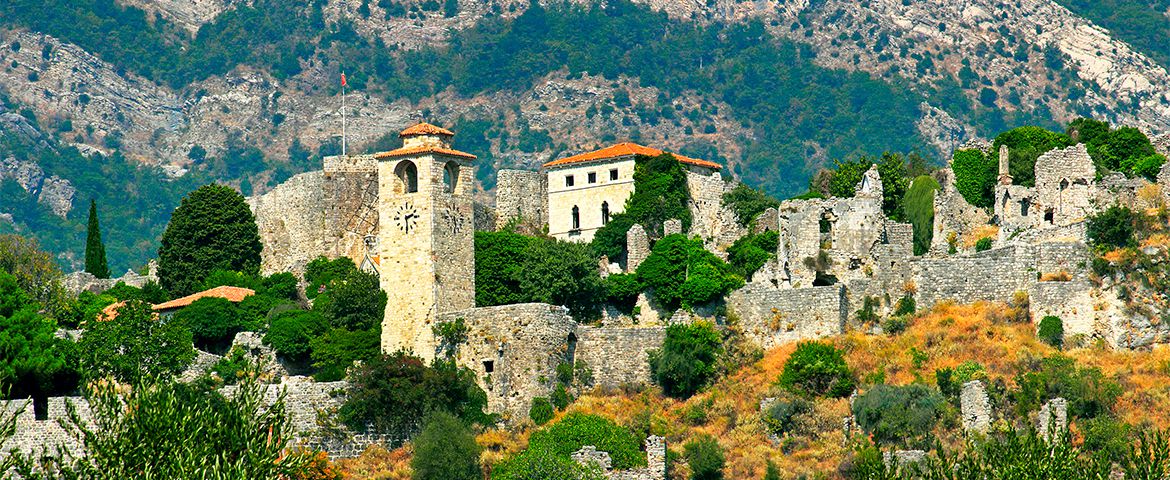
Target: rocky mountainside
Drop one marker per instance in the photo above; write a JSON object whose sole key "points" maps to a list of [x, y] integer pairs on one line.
{"points": [[246, 92]]}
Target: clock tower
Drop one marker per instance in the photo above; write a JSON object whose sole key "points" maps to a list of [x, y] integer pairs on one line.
{"points": [[426, 236]]}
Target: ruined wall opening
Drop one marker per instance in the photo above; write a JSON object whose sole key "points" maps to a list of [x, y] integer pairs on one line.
{"points": [[571, 351], [1024, 204], [40, 408], [1049, 216], [489, 366], [407, 174], [604, 213], [450, 177]]}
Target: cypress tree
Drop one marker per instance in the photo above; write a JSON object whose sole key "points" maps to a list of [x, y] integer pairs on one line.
{"points": [[95, 250]]}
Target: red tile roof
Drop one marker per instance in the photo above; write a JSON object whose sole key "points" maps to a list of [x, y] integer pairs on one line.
{"points": [[110, 312], [233, 294], [424, 128], [624, 150], [402, 152]]}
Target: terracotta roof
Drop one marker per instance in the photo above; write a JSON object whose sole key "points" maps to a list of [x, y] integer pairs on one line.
{"points": [[110, 312], [424, 128], [624, 150], [233, 294], [401, 152]]}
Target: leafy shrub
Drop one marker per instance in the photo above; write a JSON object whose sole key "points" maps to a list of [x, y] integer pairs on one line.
{"points": [[621, 291], [445, 450], [337, 349], [565, 373], [705, 457], [541, 411], [950, 380], [975, 176], [1088, 392], [576, 430], [898, 415], [354, 302], [868, 311], [1051, 331], [232, 367], [514, 268], [919, 207], [1107, 436], [391, 393], [1113, 227], [135, 345], [541, 462], [212, 229], [683, 273], [748, 203], [686, 361], [750, 252], [321, 271], [817, 369], [1025, 145], [213, 322], [983, 244], [291, 332], [1147, 166], [560, 397], [895, 324], [781, 416], [905, 305]]}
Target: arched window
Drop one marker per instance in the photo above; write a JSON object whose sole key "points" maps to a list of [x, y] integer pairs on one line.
{"points": [[604, 213], [576, 218], [450, 177], [407, 174]]}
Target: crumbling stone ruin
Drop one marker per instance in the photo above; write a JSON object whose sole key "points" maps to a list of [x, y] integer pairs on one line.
{"points": [[975, 407]]}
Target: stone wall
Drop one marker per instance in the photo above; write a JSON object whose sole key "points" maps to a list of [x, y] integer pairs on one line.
{"points": [[990, 275], [953, 215], [617, 355], [521, 194], [773, 316], [78, 282], [32, 435], [715, 224], [514, 351], [1072, 301]]}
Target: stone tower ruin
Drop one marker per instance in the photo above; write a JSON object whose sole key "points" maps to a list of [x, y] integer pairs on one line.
{"points": [[426, 236]]}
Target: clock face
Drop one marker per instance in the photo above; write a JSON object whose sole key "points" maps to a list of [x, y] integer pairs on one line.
{"points": [[453, 220], [406, 217]]}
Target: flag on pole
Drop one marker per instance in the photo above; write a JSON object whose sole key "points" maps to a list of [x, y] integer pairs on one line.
{"points": [[343, 79]]}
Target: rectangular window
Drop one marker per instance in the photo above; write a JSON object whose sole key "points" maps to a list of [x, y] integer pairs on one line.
{"points": [[489, 366], [568, 180], [592, 177], [613, 174]]}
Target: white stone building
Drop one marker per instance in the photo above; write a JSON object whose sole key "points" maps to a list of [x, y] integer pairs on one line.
{"points": [[586, 190]]}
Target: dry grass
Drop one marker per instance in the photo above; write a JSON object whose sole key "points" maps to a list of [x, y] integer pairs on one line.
{"points": [[983, 231], [377, 463], [1061, 276]]}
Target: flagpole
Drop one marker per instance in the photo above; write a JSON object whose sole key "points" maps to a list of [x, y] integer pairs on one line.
{"points": [[343, 114]]}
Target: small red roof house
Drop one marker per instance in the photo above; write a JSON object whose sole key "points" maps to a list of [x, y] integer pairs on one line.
{"points": [[232, 294]]}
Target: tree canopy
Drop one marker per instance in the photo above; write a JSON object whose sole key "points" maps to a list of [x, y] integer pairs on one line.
{"points": [[95, 250], [134, 345], [213, 229]]}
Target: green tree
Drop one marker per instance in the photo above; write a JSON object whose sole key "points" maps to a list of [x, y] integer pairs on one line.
{"points": [[686, 362], [750, 252], [391, 393], [33, 361], [683, 273], [1112, 228], [213, 229], [748, 203], [136, 344], [562, 273], [1051, 331], [95, 250], [354, 302], [445, 450], [817, 369], [213, 322], [975, 176], [499, 267], [291, 332], [899, 415], [337, 349], [1025, 145], [321, 271], [705, 457], [919, 207], [35, 270]]}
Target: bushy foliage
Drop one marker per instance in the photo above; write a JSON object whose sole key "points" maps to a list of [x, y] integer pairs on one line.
{"points": [[321, 271], [898, 415], [660, 194], [135, 345], [975, 176], [212, 229], [919, 207], [1089, 393], [1051, 331], [683, 273], [1025, 145], [355, 301], [213, 322], [576, 430], [178, 430], [233, 366], [337, 350], [541, 463], [290, 333], [33, 361], [894, 170], [983, 244], [621, 290], [781, 416], [513, 268], [686, 362], [392, 393], [1113, 227], [34, 270], [817, 369], [750, 252], [541, 411], [905, 305], [950, 380], [445, 450], [1146, 166], [748, 203], [705, 457]]}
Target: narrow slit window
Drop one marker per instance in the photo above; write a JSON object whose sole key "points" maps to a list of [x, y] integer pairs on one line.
{"points": [[604, 213], [576, 218]]}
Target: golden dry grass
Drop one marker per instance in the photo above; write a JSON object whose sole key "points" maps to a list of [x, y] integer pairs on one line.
{"points": [[983, 231]]}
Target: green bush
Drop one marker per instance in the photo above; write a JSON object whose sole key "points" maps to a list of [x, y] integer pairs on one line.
{"points": [[291, 332], [750, 252], [817, 369], [1147, 166], [905, 305], [445, 450], [1089, 393], [1113, 227], [336, 350], [512, 268], [354, 302], [748, 203], [919, 207], [576, 430], [686, 362], [321, 271], [781, 415], [391, 393], [660, 194], [541, 462], [213, 322], [895, 324], [233, 367], [983, 244], [950, 380], [541, 411], [899, 415], [868, 311], [212, 229], [683, 273], [1106, 436], [705, 457], [1025, 145], [1051, 331], [975, 176], [560, 397], [135, 345], [621, 291]]}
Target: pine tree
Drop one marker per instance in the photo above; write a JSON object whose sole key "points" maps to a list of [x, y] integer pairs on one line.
{"points": [[95, 250]]}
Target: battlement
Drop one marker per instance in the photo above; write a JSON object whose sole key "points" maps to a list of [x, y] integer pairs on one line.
{"points": [[350, 164]]}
